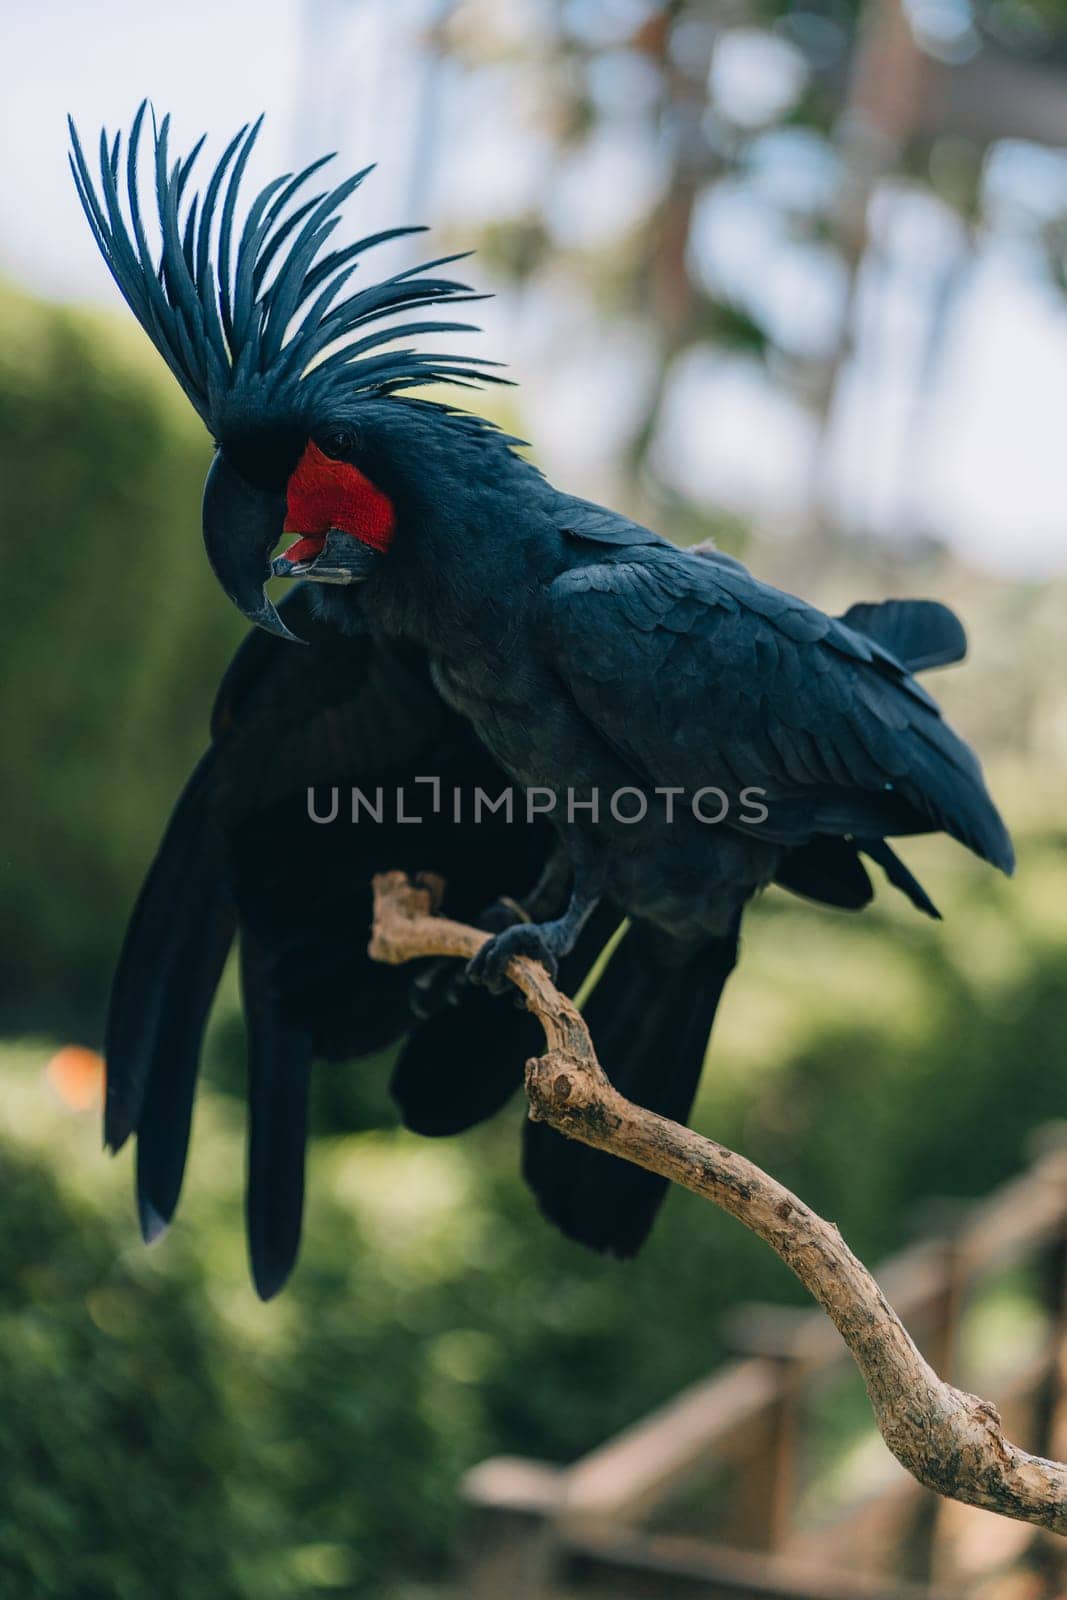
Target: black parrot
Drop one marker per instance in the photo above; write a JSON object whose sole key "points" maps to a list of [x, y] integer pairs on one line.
{"points": [[676, 734]]}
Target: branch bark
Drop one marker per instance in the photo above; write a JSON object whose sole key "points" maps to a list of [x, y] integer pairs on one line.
{"points": [[949, 1440]]}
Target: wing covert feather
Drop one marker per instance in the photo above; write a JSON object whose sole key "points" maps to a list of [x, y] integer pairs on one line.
{"points": [[695, 672]]}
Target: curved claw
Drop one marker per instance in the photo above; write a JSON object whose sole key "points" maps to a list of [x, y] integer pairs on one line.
{"points": [[489, 966]]}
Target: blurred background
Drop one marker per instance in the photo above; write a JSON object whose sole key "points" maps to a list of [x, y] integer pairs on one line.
{"points": [[789, 275]]}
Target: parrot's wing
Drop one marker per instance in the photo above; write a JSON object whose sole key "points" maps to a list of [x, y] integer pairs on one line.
{"points": [[698, 674], [918, 634]]}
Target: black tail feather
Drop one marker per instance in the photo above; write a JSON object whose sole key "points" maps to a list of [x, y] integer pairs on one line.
{"points": [[279, 1079], [898, 875], [167, 1108], [184, 887], [462, 1066], [829, 870], [650, 1024]]}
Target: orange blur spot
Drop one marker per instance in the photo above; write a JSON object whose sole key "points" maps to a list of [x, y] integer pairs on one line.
{"points": [[77, 1076]]}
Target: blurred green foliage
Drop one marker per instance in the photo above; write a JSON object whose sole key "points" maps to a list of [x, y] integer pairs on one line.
{"points": [[161, 1432], [115, 636]]}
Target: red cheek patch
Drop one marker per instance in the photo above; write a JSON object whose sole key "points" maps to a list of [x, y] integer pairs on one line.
{"points": [[324, 494]]}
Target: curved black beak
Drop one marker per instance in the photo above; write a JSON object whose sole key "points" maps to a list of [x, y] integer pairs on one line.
{"points": [[242, 524]]}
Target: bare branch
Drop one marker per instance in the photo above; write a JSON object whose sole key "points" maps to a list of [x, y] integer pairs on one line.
{"points": [[948, 1439]]}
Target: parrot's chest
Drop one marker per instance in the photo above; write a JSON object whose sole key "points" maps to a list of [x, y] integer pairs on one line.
{"points": [[520, 715], [665, 865]]}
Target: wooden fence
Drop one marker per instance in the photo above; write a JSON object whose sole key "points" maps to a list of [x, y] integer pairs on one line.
{"points": [[721, 1493]]}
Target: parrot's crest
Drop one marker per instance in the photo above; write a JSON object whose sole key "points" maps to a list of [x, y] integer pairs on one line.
{"points": [[248, 312]]}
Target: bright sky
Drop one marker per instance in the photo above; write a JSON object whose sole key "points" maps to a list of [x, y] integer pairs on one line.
{"points": [[981, 460], [213, 64]]}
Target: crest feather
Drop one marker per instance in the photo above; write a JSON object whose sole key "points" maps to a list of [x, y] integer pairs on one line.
{"points": [[263, 325]]}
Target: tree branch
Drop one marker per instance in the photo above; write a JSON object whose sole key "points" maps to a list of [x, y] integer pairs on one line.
{"points": [[948, 1439]]}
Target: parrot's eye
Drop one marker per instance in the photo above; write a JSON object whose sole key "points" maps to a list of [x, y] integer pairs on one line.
{"points": [[336, 442]]}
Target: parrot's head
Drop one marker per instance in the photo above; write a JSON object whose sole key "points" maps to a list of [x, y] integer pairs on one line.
{"points": [[303, 483], [299, 383]]}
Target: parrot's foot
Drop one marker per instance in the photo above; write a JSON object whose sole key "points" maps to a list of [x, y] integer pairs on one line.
{"points": [[547, 942], [531, 939]]}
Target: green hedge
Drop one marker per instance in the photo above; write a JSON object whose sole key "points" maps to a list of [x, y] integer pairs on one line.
{"points": [[115, 635]]}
